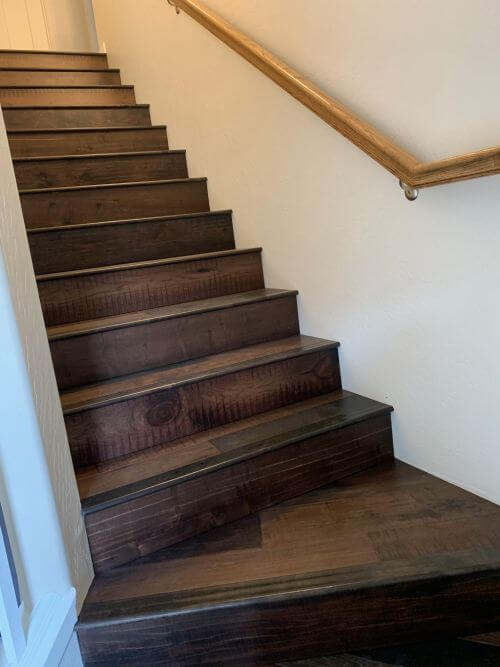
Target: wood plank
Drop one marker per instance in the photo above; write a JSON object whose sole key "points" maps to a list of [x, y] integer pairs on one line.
{"points": [[53, 59], [52, 77], [38, 143], [67, 96], [33, 173], [89, 294], [99, 203], [135, 521], [309, 577], [123, 416], [26, 117], [125, 344], [56, 249]]}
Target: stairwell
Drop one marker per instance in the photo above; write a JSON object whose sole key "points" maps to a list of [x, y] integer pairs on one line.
{"points": [[241, 506]]}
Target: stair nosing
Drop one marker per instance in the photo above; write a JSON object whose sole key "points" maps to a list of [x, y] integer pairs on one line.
{"points": [[35, 107], [229, 369], [146, 263], [304, 586], [84, 225], [113, 70], [55, 53], [94, 156], [109, 186], [148, 319], [104, 128], [56, 87], [150, 485]]}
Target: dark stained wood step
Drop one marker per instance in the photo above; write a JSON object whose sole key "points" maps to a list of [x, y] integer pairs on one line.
{"points": [[55, 249], [53, 77], [117, 115], [231, 476], [96, 350], [386, 557], [68, 170], [87, 294], [39, 143], [66, 95], [53, 59], [129, 414], [50, 207]]}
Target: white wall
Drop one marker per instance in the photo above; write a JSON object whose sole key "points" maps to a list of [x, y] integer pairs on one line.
{"points": [[58, 25], [37, 483], [410, 289]]}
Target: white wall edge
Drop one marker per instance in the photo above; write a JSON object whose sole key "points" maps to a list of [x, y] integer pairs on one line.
{"points": [[51, 626]]}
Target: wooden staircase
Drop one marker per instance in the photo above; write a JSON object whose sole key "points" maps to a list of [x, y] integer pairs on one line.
{"points": [[205, 430]]}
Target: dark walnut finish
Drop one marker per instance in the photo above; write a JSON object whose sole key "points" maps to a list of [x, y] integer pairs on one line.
{"points": [[389, 556], [58, 249], [116, 115], [84, 141], [32, 173], [201, 422]]}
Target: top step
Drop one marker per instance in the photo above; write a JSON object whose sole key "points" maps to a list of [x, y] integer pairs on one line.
{"points": [[53, 59]]}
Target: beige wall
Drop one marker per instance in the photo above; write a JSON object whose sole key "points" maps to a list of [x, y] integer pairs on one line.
{"points": [[59, 25], [37, 481], [410, 290]]}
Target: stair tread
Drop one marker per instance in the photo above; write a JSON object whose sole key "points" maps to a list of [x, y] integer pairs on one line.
{"points": [[164, 312], [51, 52], [58, 69], [99, 86], [391, 525], [176, 375], [145, 263], [109, 186], [92, 156], [155, 469], [93, 225], [93, 107]]}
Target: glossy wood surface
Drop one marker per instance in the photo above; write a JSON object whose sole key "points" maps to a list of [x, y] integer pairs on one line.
{"points": [[53, 59], [67, 96], [371, 141], [26, 117], [51, 77]]}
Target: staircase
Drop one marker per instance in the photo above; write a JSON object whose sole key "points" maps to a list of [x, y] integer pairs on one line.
{"points": [[206, 431]]}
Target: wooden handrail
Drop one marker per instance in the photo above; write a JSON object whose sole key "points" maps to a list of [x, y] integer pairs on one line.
{"points": [[374, 143]]}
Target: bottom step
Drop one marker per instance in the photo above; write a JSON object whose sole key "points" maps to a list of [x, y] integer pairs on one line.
{"points": [[386, 557]]}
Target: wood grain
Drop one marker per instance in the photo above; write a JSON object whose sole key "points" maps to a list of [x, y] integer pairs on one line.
{"points": [[167, 335], [74, 247], [26, 117], [105, 430], [371, 141], [89, 294], [53, 59], [33, 173], [52, 77], [120, 201], [66, 96], [84, 141], [386, 557]]}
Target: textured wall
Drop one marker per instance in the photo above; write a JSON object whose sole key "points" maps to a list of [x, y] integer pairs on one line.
{"points": [[52, 448], [410, 290]]}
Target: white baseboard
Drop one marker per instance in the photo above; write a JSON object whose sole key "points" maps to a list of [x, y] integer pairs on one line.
{"points": [[51, 627]]}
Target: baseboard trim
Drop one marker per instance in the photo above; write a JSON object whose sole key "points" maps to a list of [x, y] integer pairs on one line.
{"points": [[51, 626]]}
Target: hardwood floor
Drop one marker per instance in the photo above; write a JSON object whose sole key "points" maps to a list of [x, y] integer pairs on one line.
{"points": [[206, 431]]}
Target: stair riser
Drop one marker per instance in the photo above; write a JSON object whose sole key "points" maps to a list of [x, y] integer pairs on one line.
{"points": [[100, 356], [36, 144], [26, 119], [93, 171], [72, 248], [304, 626], [102, 433], [141, 526], [66, 96], [91, 296], [34, 78], [71, 207], [53, 60]]}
